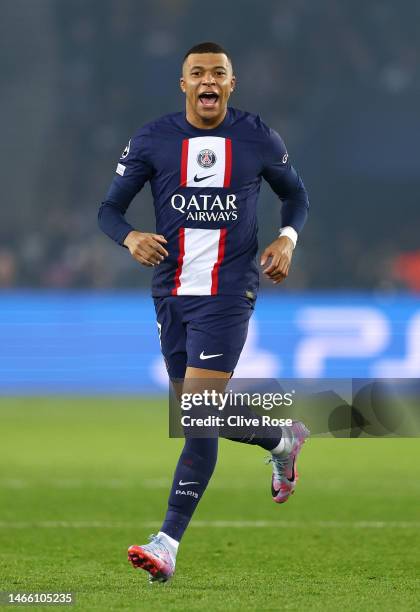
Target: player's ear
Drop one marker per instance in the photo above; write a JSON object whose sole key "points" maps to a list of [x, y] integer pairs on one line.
{"points": [[182, 84], [232, 83]]}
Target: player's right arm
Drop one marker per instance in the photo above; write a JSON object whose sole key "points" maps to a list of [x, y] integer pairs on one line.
{"points": [[133, 170]]}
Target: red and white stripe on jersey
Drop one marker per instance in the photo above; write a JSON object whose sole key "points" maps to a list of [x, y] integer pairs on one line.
{"points": [[216, 175], [201, 252]]}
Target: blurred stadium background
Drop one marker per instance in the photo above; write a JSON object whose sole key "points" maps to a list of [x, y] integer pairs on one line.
{"points": [[339, 80]]}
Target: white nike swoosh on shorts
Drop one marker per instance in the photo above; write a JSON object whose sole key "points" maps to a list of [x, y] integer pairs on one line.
{"points": [[203, 356]]}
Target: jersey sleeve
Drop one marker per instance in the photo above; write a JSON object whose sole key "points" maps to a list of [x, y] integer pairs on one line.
{"points": [[284, 181], [133, 170]]}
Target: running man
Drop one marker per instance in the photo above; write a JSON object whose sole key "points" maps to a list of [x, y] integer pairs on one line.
{"points": [[205, 167]]}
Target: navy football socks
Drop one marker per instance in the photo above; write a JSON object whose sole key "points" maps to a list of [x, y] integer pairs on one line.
{"points": [[268, 437], [193, 472], [196, 465], [255, 439]]}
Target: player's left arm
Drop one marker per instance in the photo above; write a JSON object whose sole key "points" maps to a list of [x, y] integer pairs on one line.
{"points": [[287, 184]]}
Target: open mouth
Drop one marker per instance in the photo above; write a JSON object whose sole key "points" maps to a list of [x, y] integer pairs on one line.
{"points": [[208, 99]]}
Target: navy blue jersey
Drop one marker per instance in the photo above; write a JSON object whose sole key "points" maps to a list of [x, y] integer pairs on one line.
{"points": [[205, 186]]}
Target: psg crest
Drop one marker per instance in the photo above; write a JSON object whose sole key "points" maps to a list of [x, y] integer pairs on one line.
{"points": [[206, 158]]}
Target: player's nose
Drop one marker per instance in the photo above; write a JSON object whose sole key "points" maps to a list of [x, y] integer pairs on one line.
{"points": [[208, 78]]}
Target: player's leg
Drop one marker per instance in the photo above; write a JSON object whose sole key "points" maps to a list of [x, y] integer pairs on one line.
{"points": [[217, 331], [195, 465], [268, 438], [159, 556], [192, 474], [198, 457]]}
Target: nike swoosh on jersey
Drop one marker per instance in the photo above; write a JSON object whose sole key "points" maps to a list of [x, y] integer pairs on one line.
{"points": [[203, 356], [202, 178], [182, 483]]}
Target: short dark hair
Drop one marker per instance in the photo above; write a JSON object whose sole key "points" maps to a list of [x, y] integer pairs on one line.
{"points": [[207, 47]]}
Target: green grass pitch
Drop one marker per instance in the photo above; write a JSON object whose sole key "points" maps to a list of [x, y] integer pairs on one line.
{"points": [[83, 478]]}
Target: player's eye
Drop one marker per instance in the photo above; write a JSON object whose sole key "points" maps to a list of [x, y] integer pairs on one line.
{"points": [[196, 73]]}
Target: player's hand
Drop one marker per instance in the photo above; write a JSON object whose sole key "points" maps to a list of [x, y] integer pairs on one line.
{"points": [[280, 252], [146, 248]]}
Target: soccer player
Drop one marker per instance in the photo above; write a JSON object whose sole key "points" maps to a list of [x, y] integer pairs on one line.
{"points": [[205, 167]]}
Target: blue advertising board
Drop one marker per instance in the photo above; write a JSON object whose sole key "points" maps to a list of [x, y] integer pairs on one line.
{"points": [[102, 343]]}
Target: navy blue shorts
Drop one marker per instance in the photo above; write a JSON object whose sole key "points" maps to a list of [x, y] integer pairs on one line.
{"points": [[202, 331]]}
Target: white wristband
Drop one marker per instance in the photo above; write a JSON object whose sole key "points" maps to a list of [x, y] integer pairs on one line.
{"points": [[290, 233]]}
